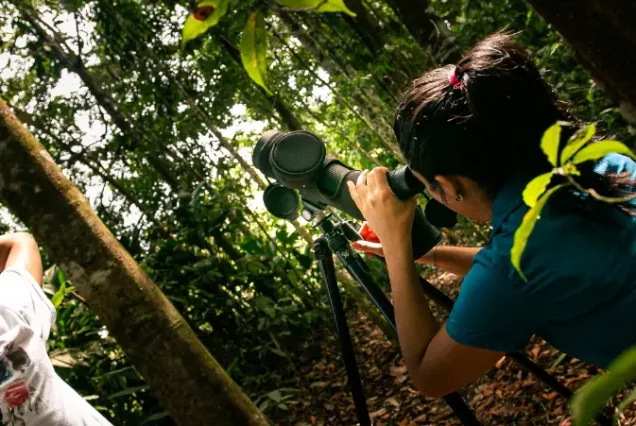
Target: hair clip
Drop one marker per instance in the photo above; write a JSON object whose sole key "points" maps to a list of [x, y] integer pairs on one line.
{"points": [[455, 78]]}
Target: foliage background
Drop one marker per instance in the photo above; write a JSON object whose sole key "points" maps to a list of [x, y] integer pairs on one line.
{"points": [[243, 280]]}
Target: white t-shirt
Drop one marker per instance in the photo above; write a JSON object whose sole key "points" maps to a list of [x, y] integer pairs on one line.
{"points": [[31, 393]]}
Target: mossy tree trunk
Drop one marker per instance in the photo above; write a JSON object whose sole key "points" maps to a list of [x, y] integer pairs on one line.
{"points": [[604, 35], [182, 374]]}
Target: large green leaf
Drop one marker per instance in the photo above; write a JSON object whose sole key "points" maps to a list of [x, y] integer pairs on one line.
{"points": [[550, 143], [591, 398], [206, 15], [525, 229], [317, 5], [535, 188], [254, 49], [576, 142], [598, 150]]}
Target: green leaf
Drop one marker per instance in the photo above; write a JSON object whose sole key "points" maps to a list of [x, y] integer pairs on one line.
{"points": [[128, 391], [317, 5], [550, 143], [525, 229], [254, 49], [558, 361], [275, 396], [535, 188], [118, 371], [61, 278], [262, 302], [591, 398], [154, 417], [278, 352], [58, 297], [205, 16], [600, 149], [576, 142]]}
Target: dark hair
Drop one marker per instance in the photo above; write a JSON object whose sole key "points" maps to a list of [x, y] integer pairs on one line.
{"points": [[482, 118]]}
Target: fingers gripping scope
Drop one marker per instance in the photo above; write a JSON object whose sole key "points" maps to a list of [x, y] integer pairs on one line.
{"points": [[298, 161]]}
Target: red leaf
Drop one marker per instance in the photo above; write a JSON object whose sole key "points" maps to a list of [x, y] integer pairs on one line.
{"points": [[202, 13]]}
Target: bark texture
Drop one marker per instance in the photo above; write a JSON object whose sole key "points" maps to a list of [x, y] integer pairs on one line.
{"points": [[427, 29], [183, 375], [603, 33]]}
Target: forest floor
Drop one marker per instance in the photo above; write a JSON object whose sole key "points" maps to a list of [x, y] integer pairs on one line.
{"points": [[507, 395]]}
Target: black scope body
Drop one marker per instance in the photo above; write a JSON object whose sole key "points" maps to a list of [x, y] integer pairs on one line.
{"points": [[298, 161]]}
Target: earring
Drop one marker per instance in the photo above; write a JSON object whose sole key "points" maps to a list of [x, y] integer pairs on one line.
{"points": [[459, 197]]}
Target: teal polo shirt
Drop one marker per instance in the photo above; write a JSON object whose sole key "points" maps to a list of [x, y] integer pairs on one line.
{"points": [[580, 262]]}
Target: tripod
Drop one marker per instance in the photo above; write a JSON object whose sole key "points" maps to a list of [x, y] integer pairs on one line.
{"points": [[335, 238]]}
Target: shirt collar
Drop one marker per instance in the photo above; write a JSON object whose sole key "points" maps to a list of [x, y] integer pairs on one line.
{"points": [[509, 197]]}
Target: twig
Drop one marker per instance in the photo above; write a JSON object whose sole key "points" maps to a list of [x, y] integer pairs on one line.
{"points": [[598, 196], [80, 44]]}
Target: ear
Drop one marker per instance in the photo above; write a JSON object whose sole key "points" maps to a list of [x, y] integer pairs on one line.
{"points": [[450, 185]]}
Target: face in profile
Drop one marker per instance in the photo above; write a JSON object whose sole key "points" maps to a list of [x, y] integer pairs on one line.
{"points": [[462, 195]]}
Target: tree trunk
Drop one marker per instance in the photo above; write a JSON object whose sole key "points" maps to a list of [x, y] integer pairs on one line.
{"points": [[372, 36], [603, 34], [427, 29], [181, 373], [365, 25]]}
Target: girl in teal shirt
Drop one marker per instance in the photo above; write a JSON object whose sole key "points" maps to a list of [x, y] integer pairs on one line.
{"points": [[471, 133]]}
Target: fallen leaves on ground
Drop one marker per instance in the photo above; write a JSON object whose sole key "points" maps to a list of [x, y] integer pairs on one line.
{"points": [[507, 395]]}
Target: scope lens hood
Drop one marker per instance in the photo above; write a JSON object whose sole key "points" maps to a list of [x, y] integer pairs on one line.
{"points": [[261, 153], [296, 157]]}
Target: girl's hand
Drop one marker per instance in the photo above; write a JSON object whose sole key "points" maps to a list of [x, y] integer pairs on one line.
{"points": [[371, 244], [368, 247], [390, 218]]}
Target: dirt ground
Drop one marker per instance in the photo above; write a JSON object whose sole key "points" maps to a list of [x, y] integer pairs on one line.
{"points": [[507, 395]]}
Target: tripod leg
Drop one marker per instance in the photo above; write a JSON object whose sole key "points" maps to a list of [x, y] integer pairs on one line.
{"points": [[364, 278], [324, 256]]}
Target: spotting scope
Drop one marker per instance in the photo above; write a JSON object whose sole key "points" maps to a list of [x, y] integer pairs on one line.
{"points": [[298, 162]]}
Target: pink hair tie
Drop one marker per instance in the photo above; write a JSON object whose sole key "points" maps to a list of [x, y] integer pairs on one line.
{"points": [[455, 78]]}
